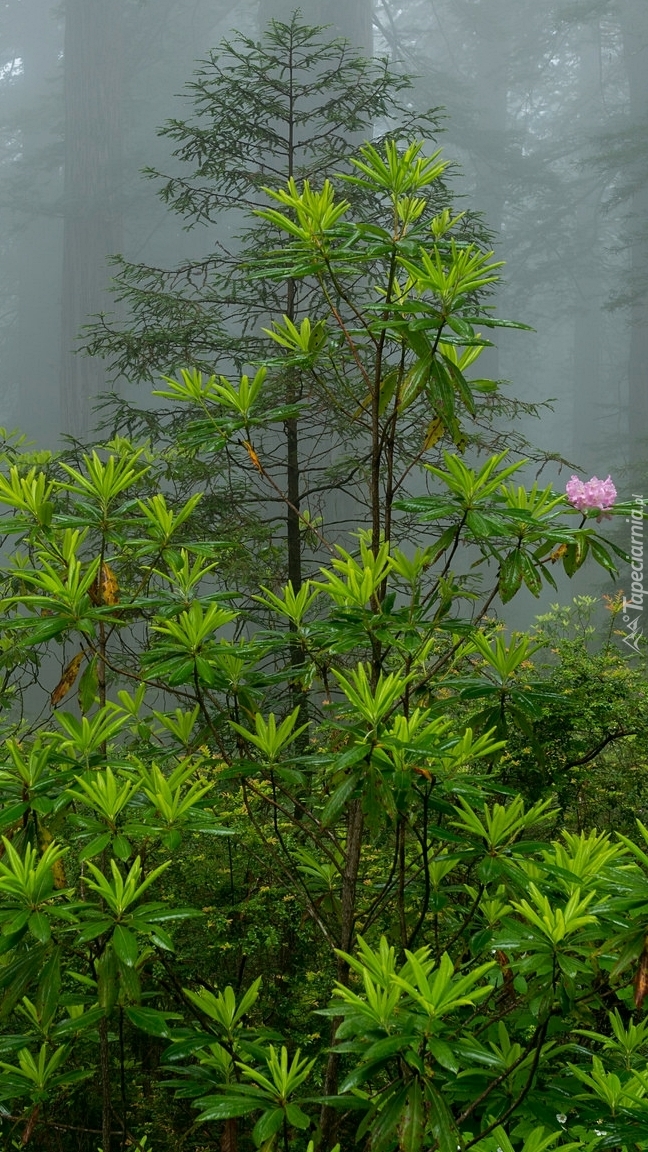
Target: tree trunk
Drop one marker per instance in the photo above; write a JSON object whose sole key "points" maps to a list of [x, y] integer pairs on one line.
{"points": [[92, 227], [588, 404], [355, 830], [634, 25], [31, 227], [490, 25]]}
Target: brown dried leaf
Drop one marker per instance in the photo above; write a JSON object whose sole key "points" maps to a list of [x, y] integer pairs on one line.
{"points": [[640, 982], [67, 679]]}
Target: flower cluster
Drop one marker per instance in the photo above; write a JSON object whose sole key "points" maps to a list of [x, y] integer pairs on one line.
{"points": [[591, 494]]}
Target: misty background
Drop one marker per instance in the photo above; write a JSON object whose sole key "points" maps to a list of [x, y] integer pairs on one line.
{"points": [[546, 108]]}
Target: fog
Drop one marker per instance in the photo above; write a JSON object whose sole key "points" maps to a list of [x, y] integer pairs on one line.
{"points": [[546, 108]]}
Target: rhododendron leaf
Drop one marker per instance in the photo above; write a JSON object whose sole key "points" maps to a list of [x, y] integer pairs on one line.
{"points": [[602, 556], [531, 575], [511, 573]]}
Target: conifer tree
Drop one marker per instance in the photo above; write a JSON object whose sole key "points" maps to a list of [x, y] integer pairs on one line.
{"points": [[296, 104]]}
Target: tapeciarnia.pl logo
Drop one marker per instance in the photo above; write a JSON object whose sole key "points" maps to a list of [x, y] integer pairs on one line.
{"points": [[633, 606]]}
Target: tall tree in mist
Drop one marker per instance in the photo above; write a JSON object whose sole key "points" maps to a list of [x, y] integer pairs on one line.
{"points": [[93, 54], [105, 55], [588, 284], [29, 194], [633, 16]]}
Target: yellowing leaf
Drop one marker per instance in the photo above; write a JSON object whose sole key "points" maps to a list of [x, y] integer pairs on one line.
{"points": [[67, 679], [105, 589], [253, 456], [45, 838], [434, 433], [558, 553]]}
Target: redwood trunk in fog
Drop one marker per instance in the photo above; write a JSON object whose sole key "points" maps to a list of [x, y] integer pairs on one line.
{"points": [[591, 406], [634, 16], [491, 62], [92, 226], [31, 264]]}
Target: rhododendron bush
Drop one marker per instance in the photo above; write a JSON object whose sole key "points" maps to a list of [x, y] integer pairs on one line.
{"points": [[264, 883]]}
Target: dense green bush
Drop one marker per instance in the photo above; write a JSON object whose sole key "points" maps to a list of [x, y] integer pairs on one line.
{"points": [[265, 879]]}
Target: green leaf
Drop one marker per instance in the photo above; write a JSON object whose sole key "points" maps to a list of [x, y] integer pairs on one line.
{"points": [[95, 846], [511, 573], [413, 1120], [461, 327], [296, 1117], [16, 977], [122, 848], [107, 988], [49, 987], [481, 525], [10, 815], [443, 1054], [48, 629], [602, 556], [530, 574], [171, 840], [130, 982], [125, 945], [268, 1125], [39, 926], [227, 1108], [441, 1122], [151, 1021], [88, 686], [162, 939], [576, 555], [82, 1023], [383, 1125], [492, 322], [179, 1049], [94, 928], [339, 798]]}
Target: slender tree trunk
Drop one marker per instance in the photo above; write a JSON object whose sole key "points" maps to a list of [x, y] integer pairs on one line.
{"points": [[106, 1096], [293, 477], [355, 830], [93, 54]]}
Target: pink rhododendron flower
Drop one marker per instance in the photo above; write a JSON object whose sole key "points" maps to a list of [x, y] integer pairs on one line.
{"points": [[590, 495]]}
